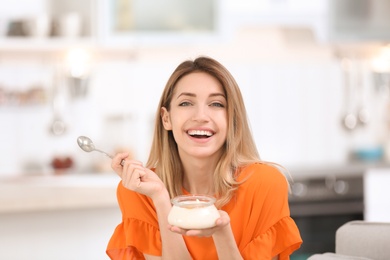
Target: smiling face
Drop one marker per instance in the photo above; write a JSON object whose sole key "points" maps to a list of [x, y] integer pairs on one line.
{"points": [[197, 116]]}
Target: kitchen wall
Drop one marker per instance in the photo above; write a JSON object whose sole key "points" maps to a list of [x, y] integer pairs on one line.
{"points": [[293, 87], [292, 84], [291, 78]]}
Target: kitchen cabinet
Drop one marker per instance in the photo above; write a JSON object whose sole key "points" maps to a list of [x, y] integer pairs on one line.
{"points": [[107, 23], [150, 22], [279, 12], [363, 21], [49, 26], [61, 235], [376, 194], [133, 23], [65, 216], [284, 13]]}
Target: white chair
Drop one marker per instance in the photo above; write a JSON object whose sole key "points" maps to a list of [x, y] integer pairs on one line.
{"points": [[360, 240]]}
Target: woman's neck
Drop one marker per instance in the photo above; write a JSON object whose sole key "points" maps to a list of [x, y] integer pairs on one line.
{"points": [[198, 176]]}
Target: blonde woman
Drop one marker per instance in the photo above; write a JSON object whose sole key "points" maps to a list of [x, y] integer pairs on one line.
{"points": [[202, 144]]}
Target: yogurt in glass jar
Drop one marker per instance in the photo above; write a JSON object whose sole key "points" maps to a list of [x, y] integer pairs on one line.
{"points": [[193, 212]]}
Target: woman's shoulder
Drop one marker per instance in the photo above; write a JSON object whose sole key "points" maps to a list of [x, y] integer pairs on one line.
{"points": [[264, 173]]}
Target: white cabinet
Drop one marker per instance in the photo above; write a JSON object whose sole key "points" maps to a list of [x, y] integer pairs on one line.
{"points": [[106, 23], [376, 195], [46, 25], [147, 22], [285, 13], [363, 21], [133, 23], [67, 216], [278, 11], [61, 234]]}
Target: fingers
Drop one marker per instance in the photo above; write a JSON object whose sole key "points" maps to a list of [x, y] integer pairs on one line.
{"points": [[117, 159], [118, 163], [132, 174], [223, 220], [194, 232], [220, 223]]}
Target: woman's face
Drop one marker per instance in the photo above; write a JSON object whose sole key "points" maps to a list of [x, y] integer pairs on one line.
{"points": [[197, 116]]}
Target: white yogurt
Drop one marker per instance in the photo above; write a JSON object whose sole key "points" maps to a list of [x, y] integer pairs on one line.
{"points": [[193, 212]]}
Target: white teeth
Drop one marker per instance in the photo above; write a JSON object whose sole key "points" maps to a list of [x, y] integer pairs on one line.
{"points": [[200, 132]]}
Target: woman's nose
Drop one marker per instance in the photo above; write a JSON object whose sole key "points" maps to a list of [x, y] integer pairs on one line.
{"points": [[201, 114]]}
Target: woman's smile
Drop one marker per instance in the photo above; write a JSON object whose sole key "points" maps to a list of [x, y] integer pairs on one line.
{"points": [[200, 136], [200, 133]]}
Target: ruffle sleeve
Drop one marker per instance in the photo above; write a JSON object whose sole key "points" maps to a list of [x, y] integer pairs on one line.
{"points": [[132, 237], [138, 233], [281, 239]]}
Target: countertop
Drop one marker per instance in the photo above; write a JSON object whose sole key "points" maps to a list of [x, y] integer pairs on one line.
{"points": [[57, 192], [27, 193]]}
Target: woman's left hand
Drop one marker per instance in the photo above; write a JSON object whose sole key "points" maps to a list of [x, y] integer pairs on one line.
{"points": [[221, 222]]}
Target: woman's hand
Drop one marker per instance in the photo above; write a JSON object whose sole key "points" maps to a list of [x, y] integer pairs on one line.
{"points": [[136, 177], [221, 223]]}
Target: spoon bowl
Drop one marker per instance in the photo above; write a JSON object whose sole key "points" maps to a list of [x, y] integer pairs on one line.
{"points": [[85, 144], [88, 146]]}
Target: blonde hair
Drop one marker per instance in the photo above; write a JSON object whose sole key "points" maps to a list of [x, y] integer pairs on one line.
{"points": [[239, 148]]}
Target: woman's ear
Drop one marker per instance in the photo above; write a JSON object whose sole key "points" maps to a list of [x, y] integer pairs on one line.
{"points": [[165, 119]]}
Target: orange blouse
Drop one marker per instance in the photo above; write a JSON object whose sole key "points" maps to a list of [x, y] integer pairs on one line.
{"points": [[259, 216]]}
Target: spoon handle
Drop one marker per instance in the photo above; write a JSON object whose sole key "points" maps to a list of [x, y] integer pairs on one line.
{"points": [[109, 155]]}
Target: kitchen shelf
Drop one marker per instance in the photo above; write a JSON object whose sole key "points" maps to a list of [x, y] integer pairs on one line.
{"points": [[12, 44]]}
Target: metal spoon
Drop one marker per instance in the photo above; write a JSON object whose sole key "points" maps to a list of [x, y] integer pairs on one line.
{"points": [[87, 145]]}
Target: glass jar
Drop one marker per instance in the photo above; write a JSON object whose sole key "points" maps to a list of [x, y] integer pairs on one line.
{"points": [[193, 212]]}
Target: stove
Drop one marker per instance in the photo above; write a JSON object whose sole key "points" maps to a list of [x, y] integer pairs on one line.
{"points": [[322, 200]]}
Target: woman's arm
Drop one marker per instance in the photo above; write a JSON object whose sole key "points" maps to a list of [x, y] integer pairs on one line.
{"points": [[137, 178], [226, 244]]}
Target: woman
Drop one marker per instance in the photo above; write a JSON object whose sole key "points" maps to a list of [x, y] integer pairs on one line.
{"points": [[203, 145]]}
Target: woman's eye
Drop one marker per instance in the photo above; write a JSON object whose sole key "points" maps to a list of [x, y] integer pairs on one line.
{"points": [[217, 104], [184, 104]]}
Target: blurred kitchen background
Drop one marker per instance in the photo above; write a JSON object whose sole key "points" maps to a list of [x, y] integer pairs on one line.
{"points": [[315, 76]]}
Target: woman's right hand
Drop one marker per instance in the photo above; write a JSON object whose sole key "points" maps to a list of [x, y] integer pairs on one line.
{"points": [[136, 177]]}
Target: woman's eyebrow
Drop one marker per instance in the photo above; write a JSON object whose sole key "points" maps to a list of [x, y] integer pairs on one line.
{"points": [[194, 95], [187, 94], [217, 95]]}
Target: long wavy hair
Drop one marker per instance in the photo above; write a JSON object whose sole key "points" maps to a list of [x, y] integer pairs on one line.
{"points": [[239, 148]]}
